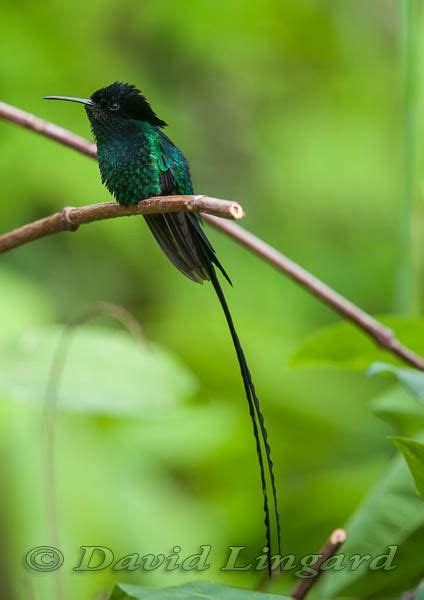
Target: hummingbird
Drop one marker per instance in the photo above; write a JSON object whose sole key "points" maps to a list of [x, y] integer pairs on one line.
{"points": [[137, 160]]}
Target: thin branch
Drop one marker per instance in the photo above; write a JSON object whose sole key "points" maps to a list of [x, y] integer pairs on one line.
{"points": [[54, 132], [70, 218], [383, 336], [334, 542]]}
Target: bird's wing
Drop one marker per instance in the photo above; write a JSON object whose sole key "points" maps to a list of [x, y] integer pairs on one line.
{"points": [[174, 232], [174, 168], [176, 179]]}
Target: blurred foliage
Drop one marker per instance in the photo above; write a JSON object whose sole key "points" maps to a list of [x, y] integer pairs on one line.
{"points": [[413, 452], [141, 380], [185, 592], [347, 347], [411, 379], [390, 521], [293, 108], [391, 516]]}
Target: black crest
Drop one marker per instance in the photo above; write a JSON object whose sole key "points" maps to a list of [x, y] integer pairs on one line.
{"points": [[127, 101]]}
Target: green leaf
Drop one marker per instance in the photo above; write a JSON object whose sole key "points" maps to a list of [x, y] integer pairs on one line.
{"points": [[345, 346], [411, 379], [107, 372], [400, 409], [391, 515], [413, 452], [194, 591]]}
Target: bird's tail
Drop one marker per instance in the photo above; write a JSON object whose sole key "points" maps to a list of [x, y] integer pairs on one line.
{"points": [[190, 251], [259, 430]]}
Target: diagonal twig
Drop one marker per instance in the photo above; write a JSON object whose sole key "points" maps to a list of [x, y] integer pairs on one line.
{"points": [[383, 336], [332, 545]]}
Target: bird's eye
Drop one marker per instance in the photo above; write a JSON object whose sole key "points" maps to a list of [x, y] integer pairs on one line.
{"points": [[114, 106]]}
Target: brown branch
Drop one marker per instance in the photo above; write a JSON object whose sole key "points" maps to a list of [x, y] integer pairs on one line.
{"points": [[54, 132], [383, 336], [70, 218], [336, 539]]}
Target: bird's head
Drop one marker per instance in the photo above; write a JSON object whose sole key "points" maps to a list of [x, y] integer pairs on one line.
{"points": [[116, 101]]}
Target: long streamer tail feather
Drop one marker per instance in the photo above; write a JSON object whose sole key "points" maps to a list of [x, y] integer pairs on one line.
{"points": [[183, 240], [259, 429]]}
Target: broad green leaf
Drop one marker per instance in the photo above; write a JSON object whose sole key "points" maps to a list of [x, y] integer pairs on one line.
{"points": [[413, 452], [345, 346], [194, 591], [411, 379], [106, 372], [391, 515], [400, 409]]}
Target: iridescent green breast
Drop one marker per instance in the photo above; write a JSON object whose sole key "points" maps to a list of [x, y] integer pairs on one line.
{"points": [[129, 161]]}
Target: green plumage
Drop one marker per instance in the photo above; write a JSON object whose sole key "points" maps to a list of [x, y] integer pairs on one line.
{"points": [[138, 161]]}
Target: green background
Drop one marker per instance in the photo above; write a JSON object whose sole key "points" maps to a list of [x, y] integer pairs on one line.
{"points": [[294, 108]]}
